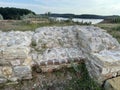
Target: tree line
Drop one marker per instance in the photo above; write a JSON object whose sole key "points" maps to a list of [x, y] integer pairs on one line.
{"points": [[14, 13], [115, 19], [85, 16]]}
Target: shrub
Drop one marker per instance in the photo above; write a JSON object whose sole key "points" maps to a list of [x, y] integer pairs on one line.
{"points": [[1, 17]]}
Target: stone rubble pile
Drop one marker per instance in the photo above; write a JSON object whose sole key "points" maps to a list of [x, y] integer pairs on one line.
{"points": [[51, 48]]}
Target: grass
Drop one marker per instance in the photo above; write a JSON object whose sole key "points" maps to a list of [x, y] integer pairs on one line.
{"points": [[22, 25], [112, 28], [82, 80]]}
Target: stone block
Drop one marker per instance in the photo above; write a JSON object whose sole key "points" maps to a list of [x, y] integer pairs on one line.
{"points": [[23, 72], [15, 52], [112, 84]]}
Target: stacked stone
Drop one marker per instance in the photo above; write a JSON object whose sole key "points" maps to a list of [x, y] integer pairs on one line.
{"points": [[101, 51], [56, 47], [14, 56]]}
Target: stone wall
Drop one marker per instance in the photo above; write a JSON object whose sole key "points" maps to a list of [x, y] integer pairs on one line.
{"points": [[53, 48], [102, 53]]}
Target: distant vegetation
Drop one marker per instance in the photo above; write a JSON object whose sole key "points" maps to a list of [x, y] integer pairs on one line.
{"points": [[32, 24], [115, 19], [14, 13], [85, 16]]}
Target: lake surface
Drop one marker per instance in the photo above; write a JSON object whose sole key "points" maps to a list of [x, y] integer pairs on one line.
{"points": [[93, 21]]}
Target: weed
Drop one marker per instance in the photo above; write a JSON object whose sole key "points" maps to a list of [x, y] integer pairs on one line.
{"points": [[82, 80]]}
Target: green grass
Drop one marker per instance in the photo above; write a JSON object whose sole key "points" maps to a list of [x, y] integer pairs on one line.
{"points": [[22, 25], [113, 29], [82, 81]]}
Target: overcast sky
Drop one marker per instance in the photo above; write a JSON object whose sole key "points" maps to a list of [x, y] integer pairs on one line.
{"points": [[101, 7]]}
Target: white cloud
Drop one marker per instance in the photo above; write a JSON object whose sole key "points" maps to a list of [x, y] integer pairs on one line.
{"points": [[34, 7], [102, 7]]}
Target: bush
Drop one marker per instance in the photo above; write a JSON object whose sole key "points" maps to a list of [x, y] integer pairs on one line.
{"points": [[1, 17], [113, 20], [14, 13]]}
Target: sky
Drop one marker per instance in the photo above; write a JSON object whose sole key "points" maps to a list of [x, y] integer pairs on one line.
{"points": [[99, 7]]}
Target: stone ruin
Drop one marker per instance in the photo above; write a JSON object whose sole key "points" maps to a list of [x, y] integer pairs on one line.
{"points": [[53, 48]]}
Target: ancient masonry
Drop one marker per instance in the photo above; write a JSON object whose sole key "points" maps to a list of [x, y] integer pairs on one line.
{"points": [[52, 48]]}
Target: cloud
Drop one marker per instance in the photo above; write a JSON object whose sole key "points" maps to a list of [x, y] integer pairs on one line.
{"points": [[34, 7], [103, 7]]}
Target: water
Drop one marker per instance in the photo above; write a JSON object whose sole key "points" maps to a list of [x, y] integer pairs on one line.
{"points": [[93, 21]]}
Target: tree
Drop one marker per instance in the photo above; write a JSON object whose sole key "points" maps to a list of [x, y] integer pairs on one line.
{"points": [[30, 15], [14, 13]]}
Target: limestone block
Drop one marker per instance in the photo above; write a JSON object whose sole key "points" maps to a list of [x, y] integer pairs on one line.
{"points": [[15, 52], [28, 61], [7, 71], [3, 80], [104, 65], [23, 72], [112, 84], [15, 62]]}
